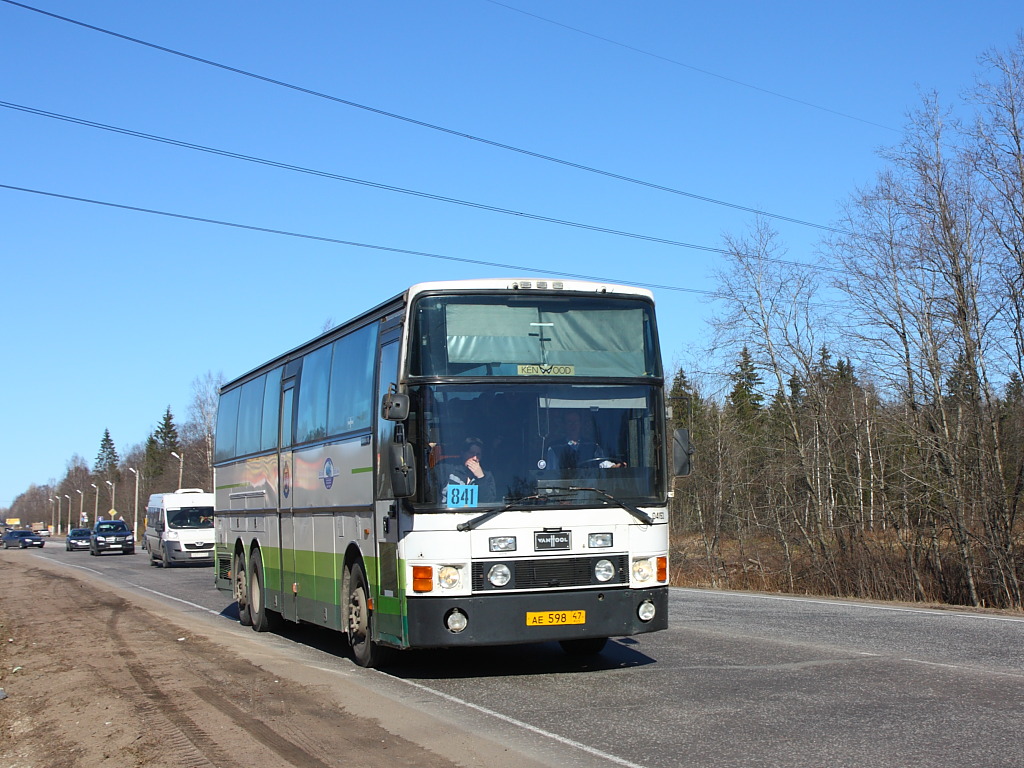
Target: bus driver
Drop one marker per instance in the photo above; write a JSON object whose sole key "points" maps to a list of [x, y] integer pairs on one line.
{"points": [[575, 451]]}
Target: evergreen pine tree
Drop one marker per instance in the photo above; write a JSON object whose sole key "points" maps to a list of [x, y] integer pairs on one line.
{"points": [[683, 399], [745, 398], [166, 433], [158, 465], [1014, 392], [155, 459], [107, 459]]}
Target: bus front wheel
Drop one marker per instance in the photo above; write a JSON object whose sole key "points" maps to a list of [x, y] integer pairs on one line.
{"points": [[587, 646], [359, 620]]}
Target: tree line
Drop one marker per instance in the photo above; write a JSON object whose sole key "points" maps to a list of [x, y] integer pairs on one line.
{"points": [[869, 437], [171, 457]]}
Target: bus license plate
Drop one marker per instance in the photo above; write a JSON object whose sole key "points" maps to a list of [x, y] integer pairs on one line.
{"points": [[555, 618]]}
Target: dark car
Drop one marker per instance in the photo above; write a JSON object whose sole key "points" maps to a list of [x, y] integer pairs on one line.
{"points": [[23, 539], [111, 536], [78, 539]]}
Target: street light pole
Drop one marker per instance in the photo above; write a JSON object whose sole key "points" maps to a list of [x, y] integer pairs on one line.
{"points": [[113, 496], [69, 511], [135, 526], [96, 506], [58, 513], [181, 466], [81, 508], [53, 518]]}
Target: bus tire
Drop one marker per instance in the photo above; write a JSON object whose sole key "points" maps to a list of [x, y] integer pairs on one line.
{"points": [[240, 587], [359, 620], [585, 646], [263, 619]]}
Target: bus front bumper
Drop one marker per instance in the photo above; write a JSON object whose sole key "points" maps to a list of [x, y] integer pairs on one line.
{"points": [[500, 619]]}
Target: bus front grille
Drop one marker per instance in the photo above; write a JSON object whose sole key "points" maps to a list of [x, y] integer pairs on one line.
{"points": [[551, 573]]}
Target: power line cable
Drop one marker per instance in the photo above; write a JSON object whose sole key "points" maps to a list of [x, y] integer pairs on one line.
{"points": [[431, 126], [353, 244], [352, 180], [378, 185], [707, 72]]}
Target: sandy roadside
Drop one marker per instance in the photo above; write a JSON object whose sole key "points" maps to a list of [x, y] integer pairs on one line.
{"points": [[98, 676]]}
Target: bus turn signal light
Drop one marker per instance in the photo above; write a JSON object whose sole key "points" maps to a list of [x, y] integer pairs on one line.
{"points": [[662, 569], [422, 578]]}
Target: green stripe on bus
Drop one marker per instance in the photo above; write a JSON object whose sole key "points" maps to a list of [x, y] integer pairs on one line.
{"points": [[319, 598]]}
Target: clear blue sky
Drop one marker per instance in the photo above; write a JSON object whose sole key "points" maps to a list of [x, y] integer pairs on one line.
{"points": [[109, 315]]}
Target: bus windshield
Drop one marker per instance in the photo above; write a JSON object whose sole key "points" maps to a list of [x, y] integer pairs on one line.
{"points": [[533, 335], [536, 444]]}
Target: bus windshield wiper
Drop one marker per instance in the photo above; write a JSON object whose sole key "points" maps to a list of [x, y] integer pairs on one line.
{"points": [[636, 512], [471, 524]]}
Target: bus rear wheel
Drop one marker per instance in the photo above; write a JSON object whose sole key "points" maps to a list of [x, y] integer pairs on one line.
{"points": [[359, 620], [240, 587], [263, 619]]}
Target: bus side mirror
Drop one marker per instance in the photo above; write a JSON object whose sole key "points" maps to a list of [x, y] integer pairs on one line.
{"points": [[682, 450], [395, 407], [403, 469]]}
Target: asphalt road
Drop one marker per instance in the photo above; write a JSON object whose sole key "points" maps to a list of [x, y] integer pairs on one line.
{"points": [[737, 680]]}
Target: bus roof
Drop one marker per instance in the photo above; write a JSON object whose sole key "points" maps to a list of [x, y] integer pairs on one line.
{"points": [[527, 284], [483, 284]]}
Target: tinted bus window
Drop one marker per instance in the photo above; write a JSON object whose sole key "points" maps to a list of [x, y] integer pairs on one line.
{"points": [[271, 409], [533, 336], [227, 421], [250, 416], [352, 382], [311, 423]]}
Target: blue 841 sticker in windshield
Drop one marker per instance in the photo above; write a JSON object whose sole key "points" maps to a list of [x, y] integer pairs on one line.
{"points": [[462, 495]]}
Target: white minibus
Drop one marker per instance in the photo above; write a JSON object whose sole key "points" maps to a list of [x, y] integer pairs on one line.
{"points": [[179, 527]]}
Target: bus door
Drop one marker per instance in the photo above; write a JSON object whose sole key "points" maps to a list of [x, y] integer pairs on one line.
{"points": [[389, 608], [286, 526]]}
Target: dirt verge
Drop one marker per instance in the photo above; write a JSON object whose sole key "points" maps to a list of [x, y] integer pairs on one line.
{"points": [[93, 679]]}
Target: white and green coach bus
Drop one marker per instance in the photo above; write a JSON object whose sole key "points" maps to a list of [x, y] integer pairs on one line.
{"points": [[471, 463]]}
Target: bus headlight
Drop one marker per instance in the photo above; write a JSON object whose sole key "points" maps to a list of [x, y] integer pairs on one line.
{"points": [[604, 570], [643, 570], [597, 540], [499, 575], [646, 611], [448, 577], [456, 620], [502, 543]]}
